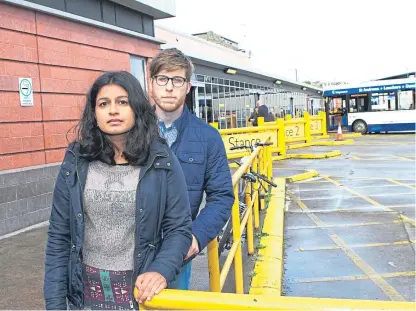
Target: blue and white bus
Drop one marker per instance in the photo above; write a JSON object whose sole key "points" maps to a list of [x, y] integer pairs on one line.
{"points": [[375, 106]]}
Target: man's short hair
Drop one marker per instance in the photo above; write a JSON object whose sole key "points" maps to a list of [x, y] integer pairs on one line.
{"points": [[170, 60]]}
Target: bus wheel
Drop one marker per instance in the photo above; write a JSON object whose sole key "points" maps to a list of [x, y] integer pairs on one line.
{"points": [[359, 126]]}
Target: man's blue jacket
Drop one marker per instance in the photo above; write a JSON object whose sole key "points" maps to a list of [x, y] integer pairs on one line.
{"points": [[201, 153]]}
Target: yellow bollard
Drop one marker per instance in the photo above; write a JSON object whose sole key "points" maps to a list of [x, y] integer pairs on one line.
{"points": [[238, 259], [214, 266], [281, 138], [261, 171]]}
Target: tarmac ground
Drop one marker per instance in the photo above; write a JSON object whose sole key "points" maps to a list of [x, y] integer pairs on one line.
{"points": [[350, 232]]}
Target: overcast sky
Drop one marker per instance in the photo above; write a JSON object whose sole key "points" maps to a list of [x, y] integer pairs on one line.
{"points": [[341, 40]]}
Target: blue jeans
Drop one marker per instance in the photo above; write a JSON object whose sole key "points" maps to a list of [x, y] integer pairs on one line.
{"points": [[183, 279]]}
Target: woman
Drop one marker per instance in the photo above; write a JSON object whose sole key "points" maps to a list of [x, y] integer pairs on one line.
{"points": [[120, 213]]}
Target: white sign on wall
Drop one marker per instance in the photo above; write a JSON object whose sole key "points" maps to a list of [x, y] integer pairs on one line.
{"points": [[26, 91]]}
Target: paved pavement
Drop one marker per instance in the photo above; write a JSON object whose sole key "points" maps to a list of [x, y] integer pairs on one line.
{"points": [[350, 232]]}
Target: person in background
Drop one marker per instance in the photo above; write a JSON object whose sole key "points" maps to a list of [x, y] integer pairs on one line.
{"points": [[199, 148], [120, 215], [263, 110], [253, 116]]}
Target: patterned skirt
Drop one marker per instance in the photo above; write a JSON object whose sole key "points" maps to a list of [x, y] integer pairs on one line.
{"points": [[106, 289]]}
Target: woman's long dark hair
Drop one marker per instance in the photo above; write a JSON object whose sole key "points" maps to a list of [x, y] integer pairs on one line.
{"points": [[95, 145]]}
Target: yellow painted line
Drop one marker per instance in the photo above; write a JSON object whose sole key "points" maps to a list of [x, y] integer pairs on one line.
{"points": [[325, 155], [405, 218], [359, 262], [368, 270], [402, 158], [303, 176], [354, 246], [355, 158], [375, 223], [354, 277], [361, 187], [400, 183], [268, 269]]}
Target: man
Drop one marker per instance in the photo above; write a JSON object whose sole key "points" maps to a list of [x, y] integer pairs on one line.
{"points": [[199, 148], [263, 111]]}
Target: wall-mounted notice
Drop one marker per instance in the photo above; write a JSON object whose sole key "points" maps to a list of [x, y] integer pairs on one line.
{"points": [[26, 92]]}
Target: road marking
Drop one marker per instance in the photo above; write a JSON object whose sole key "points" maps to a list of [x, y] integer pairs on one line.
{"points": [[361, 187], [359, 262], [354, 196], [375, 223], [402, 158], [405, 218], [400, 183], [300, 249], [353, 277]]}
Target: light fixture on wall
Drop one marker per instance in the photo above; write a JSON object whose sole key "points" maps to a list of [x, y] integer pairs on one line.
{"points": [[278, 82], [303, 88], [230, 71]]}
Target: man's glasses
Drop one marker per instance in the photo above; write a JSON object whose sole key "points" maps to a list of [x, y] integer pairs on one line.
{"points": [[176, 81]]}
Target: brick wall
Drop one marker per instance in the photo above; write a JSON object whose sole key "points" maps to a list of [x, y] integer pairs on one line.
{"points": [[63, 58]]}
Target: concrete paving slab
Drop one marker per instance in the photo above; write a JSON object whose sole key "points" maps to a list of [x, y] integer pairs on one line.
{"points": [[389, 189], [395, 200], [386, 233], [408, 211], [320, 194], [338, 218], [357, 183], [405, 285], [306, 238], [358, 289], [298, 219], [389, 259], [336, 203], [319, 264]]}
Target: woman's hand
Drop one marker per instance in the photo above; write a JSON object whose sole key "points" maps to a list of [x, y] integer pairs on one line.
{"points": [[148, 285]]}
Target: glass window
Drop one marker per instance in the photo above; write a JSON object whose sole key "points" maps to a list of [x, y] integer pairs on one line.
{"points": [[220, 81], [406, 100], [227, 82], [202, 103], [215, 80], [200, 78], [232, 83], [138, 69], [208, 79]]}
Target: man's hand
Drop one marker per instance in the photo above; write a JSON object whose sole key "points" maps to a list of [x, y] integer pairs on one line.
{"points": [[194, 248], [149, 284]]}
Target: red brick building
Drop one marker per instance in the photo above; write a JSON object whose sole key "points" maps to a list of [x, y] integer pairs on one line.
{"points": [[62, 45]]}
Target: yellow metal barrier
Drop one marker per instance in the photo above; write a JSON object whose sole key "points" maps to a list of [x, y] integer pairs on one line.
{"points": [[261, 161], [194, 300]]}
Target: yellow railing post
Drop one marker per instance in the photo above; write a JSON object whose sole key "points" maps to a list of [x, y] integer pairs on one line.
{"points": [[238, 259], [260, 121], [308, 134], [270, 163], [249, 230], [214, 266], [288, 117], [214, 125], [323, 122], [262, 161], [256, 201], [281, 139]]}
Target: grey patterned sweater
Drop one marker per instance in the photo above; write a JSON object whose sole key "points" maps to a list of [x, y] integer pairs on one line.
{"points": [[110, 209]]}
